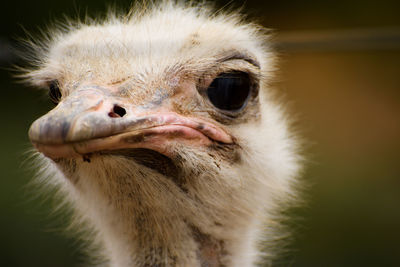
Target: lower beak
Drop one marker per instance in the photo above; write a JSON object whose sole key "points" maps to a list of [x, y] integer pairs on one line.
{"points": [[89, 121]]}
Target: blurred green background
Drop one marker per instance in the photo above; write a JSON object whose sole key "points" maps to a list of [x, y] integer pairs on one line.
{"points": [[340, 71]]}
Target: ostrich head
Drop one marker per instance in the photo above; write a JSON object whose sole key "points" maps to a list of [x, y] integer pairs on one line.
{"points": [[165, 137]]}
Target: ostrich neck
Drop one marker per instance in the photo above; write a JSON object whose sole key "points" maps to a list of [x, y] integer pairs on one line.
{"points": [[161, 240], [153, 222]]}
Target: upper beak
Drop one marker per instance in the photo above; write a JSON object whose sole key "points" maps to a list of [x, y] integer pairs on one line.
{"points": [[91, 120]]}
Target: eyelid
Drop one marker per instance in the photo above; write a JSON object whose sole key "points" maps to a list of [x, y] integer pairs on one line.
{"points": [[237, 65], [233, 65], [235, 55]]}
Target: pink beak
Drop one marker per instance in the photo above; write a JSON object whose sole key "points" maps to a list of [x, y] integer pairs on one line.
{"points": [[91, 120]]}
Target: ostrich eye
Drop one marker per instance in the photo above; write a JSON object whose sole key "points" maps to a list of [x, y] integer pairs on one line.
{"points": [[230, 90], [54, 92]]}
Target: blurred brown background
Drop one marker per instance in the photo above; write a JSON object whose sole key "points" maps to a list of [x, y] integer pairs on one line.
{"points": [[340, 72]]}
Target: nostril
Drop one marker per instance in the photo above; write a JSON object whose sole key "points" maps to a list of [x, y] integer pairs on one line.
{"points": [[117, 111]]}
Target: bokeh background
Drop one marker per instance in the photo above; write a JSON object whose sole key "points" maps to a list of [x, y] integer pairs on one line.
{"points": [[340, 72]]}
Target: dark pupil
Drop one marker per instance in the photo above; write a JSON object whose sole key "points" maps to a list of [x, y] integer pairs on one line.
{"points": [[229, 91], [54, 93]]}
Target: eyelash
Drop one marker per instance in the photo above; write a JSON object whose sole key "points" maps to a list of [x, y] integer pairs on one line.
{"points": [[54, 92]]}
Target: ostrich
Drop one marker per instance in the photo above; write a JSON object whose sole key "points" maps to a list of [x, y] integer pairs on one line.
{"points": [[165, 135]]}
